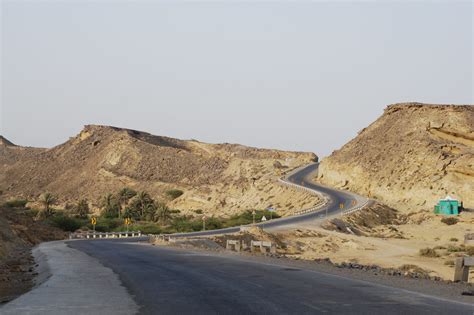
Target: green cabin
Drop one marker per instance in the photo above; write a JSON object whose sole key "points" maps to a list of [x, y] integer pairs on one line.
{"points": [[448, 206]]}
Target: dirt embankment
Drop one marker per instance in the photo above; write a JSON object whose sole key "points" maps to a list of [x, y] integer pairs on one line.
{"points": [[412, 156], [220, 179], [18, 234]]}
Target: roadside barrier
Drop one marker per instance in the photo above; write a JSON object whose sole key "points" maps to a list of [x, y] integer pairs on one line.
{"points": [[234, 245], [469, 239], [263, 245], [322, 202], [365, 204], [461, 269], [89, 235]]}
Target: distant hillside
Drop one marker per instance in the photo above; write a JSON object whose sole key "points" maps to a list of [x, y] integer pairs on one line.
{"points": [[410, 157], [217, 178], [5, 142]]}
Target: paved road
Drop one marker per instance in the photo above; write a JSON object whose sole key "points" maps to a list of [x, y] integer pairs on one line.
{"points": [[172, 281], [302, 177]]}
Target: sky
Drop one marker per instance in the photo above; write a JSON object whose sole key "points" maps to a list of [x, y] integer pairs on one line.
{"points": [[292, 75]]}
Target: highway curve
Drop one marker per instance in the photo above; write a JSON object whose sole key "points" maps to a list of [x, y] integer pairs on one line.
{"points": [[302, 177]]}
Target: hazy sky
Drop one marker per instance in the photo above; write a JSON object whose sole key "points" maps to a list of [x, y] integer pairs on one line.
{"points": [[293, 75]]}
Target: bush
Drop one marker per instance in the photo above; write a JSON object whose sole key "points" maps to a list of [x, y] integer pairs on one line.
{"points": [[449, 262], [17, 203], [186, 224], [106, 224], [65, 223], [470, 250], [455, 249], [453, 239], [428, 252], [174, 193], [449, 220]]}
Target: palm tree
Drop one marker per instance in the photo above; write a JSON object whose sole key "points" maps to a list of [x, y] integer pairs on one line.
{"points": [[109, 204], [162, 213], [123, 197], [47, 200], [82, 208], [143, 201]]}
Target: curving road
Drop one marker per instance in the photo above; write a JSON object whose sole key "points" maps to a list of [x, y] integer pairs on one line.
{"points": [[302, 177], [125, 276]]}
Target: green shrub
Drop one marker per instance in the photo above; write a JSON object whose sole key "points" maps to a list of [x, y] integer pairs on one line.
{"points": [[428, 252], [455, 249], [198, 211], [186, 224], [450, 220], [174, 193], [17, 203], [106, 224], [453, 239], [65, 223]]}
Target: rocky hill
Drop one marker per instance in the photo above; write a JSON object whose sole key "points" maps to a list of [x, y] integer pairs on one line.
{"points": [[410, 157], [220, 179]]}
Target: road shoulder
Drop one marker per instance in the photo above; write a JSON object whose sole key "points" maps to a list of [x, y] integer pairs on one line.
{"points": [[61, 291]]}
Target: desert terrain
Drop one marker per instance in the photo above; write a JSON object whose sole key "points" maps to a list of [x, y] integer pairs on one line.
{"points": [[219, 179], [412, 156], [409, 158]]}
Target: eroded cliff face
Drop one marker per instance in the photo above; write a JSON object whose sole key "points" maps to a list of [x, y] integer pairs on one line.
{"points": [[220, 179], [413, 155]]}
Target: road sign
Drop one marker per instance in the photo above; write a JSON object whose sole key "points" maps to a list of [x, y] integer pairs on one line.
{"points": [[93, 222], [341, 206], [204, 222], [264, 219], [127, 222], [253, 216], [354, 202]]}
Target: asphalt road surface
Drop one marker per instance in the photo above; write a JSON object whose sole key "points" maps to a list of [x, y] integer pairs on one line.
{"points": [[302, 177], [164, 280]]}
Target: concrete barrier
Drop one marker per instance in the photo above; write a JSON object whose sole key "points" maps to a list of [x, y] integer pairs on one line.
{"points": [[461, 269], [263, 245], [469, 239], [233, 245]]}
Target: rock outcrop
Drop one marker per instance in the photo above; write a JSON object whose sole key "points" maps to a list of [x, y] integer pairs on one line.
{"points": [[410, 157]]}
